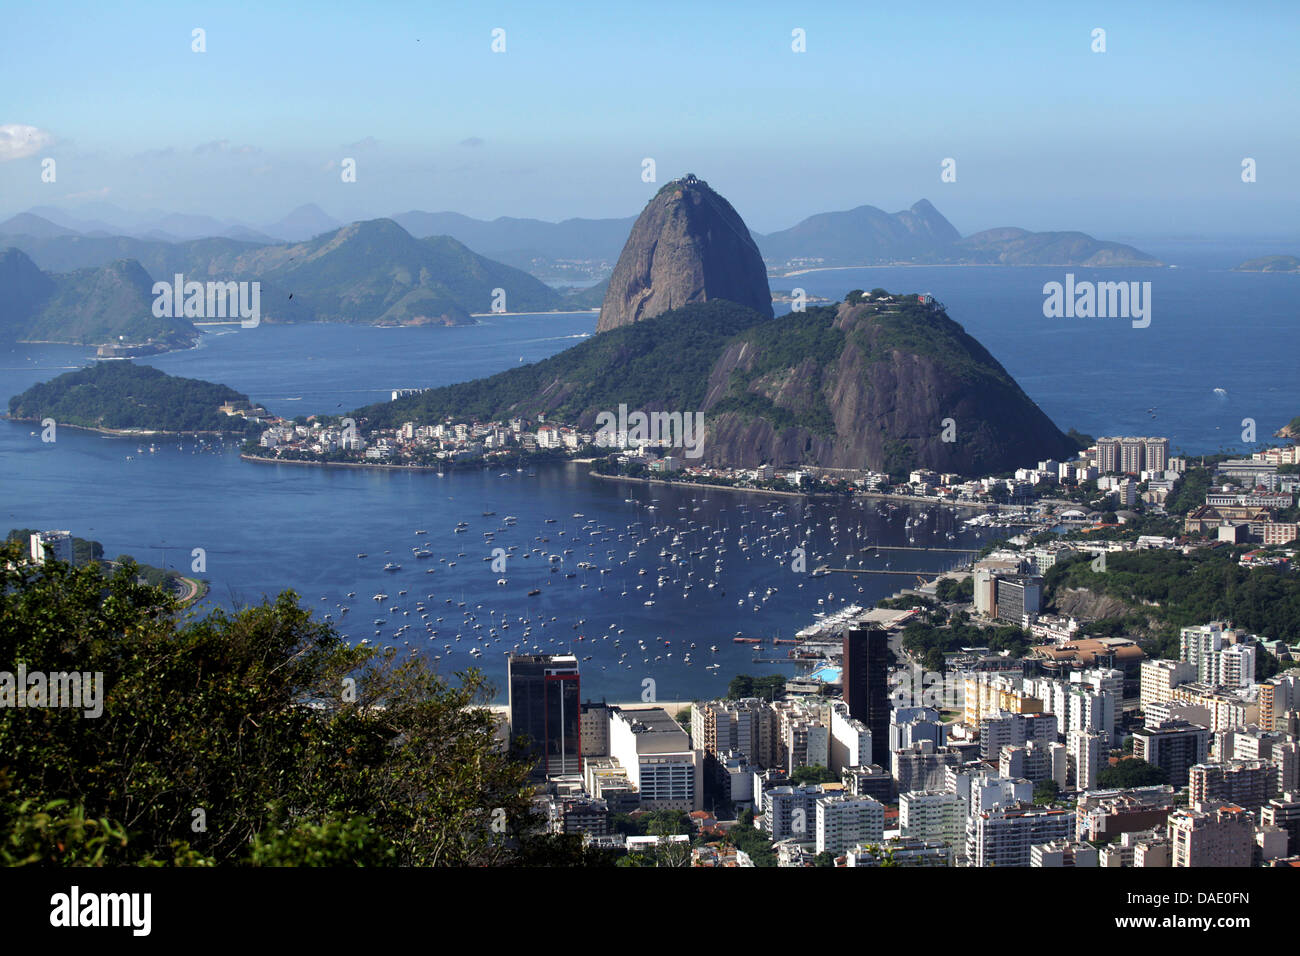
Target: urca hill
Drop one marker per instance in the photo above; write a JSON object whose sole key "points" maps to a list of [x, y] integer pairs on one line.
{"points": [[868, 383]]}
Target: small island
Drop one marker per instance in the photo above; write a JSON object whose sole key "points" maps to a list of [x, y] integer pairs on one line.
{"points": [[124, 398], [1270, 264]]}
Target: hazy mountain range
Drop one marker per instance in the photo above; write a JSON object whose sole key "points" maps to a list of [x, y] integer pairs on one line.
{"points": [[420, 268], [92, 290], [864, 235]]}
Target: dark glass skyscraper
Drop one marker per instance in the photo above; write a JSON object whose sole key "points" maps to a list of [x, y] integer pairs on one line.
{"points": [[866, 685], [545, 707]]}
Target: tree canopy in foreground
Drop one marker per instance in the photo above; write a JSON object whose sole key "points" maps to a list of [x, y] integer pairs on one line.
{"points": [[240, 739]]}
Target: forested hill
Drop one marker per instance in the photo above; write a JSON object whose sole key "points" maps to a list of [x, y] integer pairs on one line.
{"points": [[120, 395], [661, 363], [881, 382]]}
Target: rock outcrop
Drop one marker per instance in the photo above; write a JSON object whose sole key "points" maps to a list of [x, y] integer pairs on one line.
{"points": [[688, 245], [889, 385]]}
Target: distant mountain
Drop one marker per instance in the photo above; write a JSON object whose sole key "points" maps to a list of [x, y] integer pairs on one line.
{"points": [[160, 258], [572, 250], [591, 297], [518, 239], [24, 289], [1270, 264], [112, 223], [377, 272], [27, 224], [1010, 246], [688, 245], [367, 272], [921, 235], [305, 222], [44, 221], [86, 307], [122, 395], [861, 236], [864, 235]]}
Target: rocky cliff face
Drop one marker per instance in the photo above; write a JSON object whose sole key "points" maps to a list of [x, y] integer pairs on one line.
{"points": [[888, 386], [688, 245]]}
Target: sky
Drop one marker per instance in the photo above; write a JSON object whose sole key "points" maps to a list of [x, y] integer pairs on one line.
{"points": [[1145, 139]]}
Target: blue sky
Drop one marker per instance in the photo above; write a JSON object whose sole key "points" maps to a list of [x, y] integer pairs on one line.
{"points": [[1144, 139]]}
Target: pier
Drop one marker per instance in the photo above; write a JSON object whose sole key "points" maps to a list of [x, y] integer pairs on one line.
{"points": [[874, 571], [895, 547]]}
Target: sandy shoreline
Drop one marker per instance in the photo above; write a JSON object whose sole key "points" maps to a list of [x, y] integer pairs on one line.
{"points": [[118, 432], [912, 499]]}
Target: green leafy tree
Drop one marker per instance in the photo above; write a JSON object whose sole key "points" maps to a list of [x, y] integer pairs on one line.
{"points": [[240, 738], [813, 775], [1132, 772]]}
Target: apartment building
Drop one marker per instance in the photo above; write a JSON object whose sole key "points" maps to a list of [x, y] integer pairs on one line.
{"points": [[1212, 834], [843, 821]]}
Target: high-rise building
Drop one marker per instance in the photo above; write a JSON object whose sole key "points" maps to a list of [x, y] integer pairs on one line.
{"points": [[656, 753], [747, 725], [866, 685], [1212, 834], [1132, 455], [1107, 455], [932, 815], [1157, 454], [1013, 730], [791, 812], [844, 820], [908, 725], [1174, 745], [1087, 751], [546, 710], [594, 725], [51, 545], [1018, 595], [1244, 783], [922, 766], [1005, 836], [1277, 696], [850, 741], [1160, 677], [1284, 812], [1219, 657], [1035, 761]]}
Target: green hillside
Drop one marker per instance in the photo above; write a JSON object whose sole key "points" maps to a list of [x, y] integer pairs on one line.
{"points": [[119, 395]]}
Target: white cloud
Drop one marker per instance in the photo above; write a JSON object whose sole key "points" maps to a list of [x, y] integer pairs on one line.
{"points": [[18, 141]]}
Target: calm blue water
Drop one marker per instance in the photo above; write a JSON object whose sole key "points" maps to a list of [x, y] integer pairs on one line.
{"points": [[1210, 328], [265, 528]]}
